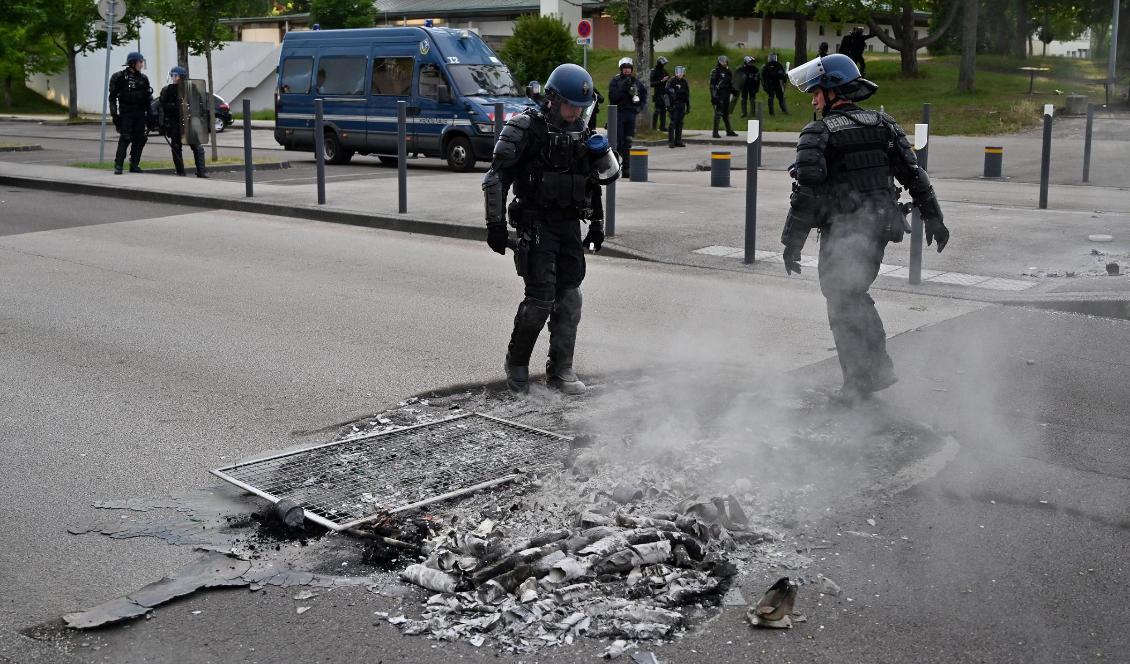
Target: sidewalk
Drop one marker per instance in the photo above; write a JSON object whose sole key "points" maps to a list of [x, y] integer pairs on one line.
{"points": [[678, 218]]}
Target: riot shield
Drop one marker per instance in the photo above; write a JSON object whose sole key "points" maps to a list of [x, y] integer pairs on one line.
{"points": [[739, 79], [194, 110]]}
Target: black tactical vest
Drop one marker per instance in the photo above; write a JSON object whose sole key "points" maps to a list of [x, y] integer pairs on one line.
{"points": [[857, 156], [554, 183]]}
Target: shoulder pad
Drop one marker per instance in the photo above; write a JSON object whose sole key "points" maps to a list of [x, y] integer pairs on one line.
{"points": [[892, 124], [814, 135], [814, 127], [522, 120]]}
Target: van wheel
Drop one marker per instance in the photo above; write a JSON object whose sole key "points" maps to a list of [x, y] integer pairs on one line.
{"points": [[334, 152], [460, 156]]}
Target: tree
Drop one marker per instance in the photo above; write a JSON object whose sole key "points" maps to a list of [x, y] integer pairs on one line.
{"points": [[669, 21], [641, 16], [904, 40], [25, 50], [333, 14], [538, 45], [968, 66]]}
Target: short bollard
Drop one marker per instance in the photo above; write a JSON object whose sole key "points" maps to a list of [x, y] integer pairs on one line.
{"points": [[720, 168], [994, 158], [1046, 156], [248, 163], [320, 151], [1087, 142], [638, 164], [610, 189]]}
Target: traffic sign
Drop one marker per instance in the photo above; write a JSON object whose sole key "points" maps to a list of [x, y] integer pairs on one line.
{"points": [[584, 28], [112, 8], [102, 26], [584, 41]]}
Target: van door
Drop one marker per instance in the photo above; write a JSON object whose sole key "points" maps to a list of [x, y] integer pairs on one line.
{"points": [[340, 83], [435, 99], [294, 110], [390, 82]]}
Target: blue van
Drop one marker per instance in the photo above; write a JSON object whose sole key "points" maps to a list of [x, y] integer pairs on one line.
{"points": [[450, 78]]}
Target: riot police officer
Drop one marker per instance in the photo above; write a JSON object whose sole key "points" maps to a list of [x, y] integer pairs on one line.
{"points": [[173, 125], [556, 165], [844, 188], [721, 92], [130, 97], [630, 96], [773, 79], [678, 100], [659, 78], [749, 82]]}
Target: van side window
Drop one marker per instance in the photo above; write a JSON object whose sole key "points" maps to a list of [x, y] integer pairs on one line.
{"points": [[430, 79], [339, 75], [295, 76], [392, 76]]}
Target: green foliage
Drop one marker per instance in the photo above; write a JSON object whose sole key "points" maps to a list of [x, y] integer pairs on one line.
{"points": [[669, 21], [538, 45], [197, 24], [336, 14], [714, 50]]}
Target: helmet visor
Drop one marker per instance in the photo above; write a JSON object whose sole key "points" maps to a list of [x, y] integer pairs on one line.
{"points": [[569, 116], [807, 76]]}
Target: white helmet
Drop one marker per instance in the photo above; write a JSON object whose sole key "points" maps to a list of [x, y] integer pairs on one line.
{"points": [[625, 62]]}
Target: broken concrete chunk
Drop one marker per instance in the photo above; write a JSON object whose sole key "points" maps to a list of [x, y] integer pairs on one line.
{"points": [[828, 586], [627, 494]]}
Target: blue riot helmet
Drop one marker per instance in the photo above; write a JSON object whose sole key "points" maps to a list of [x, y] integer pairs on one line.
{"points": [[605, 162], [568, 86], [833, 72], [134, 57], [178, 71], [680, 70], [662, 60]]}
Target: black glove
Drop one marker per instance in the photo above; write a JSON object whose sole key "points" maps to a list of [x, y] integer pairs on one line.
{"points": [[595, 236], [792, 260], [936, 230], [497, 238], [117, 120]]}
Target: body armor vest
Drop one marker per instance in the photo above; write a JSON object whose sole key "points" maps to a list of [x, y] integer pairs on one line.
{"points": [[858, 159], [555, 183]]}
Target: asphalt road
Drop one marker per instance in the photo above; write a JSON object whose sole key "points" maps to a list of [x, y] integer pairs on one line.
{"points": [[149, 345]]}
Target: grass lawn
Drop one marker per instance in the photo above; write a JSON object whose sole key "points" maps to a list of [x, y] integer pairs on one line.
{"points": [[25, 100], [999, 105], [266, 114], [159, 164]]}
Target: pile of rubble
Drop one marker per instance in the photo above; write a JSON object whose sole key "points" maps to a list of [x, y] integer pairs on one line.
{"points": [[611, 574]]}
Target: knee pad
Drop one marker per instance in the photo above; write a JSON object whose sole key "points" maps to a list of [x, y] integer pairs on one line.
{"points": [[534, 312]]}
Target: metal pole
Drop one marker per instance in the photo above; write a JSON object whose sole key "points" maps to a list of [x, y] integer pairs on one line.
{"points": [[753, 144], [917, 229], [759, 141], [610, 193], [248, 165], [499, 118], [106, 80], [1112, 56], [402, 156], [212, 109], [1087, 143], [1046, 157], [585, 57], [320, 151]]}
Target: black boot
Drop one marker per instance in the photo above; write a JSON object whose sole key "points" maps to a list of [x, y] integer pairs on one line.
{"points": [[563, 324], [528, 322], [716, 126], [679, 138]]}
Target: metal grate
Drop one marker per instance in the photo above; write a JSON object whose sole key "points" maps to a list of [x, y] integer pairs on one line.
{"points": [[346, 483]]}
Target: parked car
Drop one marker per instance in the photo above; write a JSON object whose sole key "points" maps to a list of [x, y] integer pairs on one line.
{"points": [[450, 79], [223, 113]]}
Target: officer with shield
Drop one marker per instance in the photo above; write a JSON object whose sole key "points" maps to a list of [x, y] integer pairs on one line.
{"points": [[556, 165], [845, 169], [174, 124]]}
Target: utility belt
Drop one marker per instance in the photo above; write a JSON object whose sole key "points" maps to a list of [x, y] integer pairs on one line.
{"points": [[882, 208]]}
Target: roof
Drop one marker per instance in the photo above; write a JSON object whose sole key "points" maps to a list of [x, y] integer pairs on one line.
{"points": [[437, 8]]}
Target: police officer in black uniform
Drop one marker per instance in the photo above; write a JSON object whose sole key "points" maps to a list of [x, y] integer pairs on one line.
{"points": [[629, 95], [721, 92], [130, 99], [773, 77], [659, 78], [173, 125], [556, 165], [750, 82], [678, 100], [845, 169]]}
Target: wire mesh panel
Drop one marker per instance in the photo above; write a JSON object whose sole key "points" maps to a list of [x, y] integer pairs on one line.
{"points": [[349, 482]]}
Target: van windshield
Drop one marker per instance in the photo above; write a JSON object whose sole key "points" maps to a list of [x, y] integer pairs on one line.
{"points": [[489, 80]]}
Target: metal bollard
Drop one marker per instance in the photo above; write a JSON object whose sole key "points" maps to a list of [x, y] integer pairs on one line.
{"points": [[1087, 143], [638, 164], [248, 164], [1046, 156], [917, 228], [994, 159], [499, 118], [720, 168], [402, 156], [759, 141], [610, 190], [320, 151], [753, 145]]}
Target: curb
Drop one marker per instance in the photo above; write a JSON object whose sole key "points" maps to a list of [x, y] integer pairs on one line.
{"points": [[222, 168], [723, 144], [20, 148]]}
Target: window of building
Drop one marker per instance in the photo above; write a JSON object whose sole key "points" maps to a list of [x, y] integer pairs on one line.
{"points": [[392, 76], [341, 76], [295, 77]]}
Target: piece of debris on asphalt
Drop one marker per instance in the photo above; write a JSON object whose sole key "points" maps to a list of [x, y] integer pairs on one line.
{"points": [[644, 657], [776, 607], [615, 649], [1112, 269], [302, 609], [828, 586], [304, 594]]}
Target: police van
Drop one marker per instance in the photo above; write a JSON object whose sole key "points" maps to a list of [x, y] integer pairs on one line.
{"points": [[450, 79]]}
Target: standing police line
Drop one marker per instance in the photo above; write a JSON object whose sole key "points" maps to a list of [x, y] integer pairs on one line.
{"points": [[846, 166]]}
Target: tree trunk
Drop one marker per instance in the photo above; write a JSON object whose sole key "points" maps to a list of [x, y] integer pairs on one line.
{"points": [[908, 53], [1020, 44], [800, 43], [704, 32], [8, 91], [182, 55], [1122, 56], [72, 85], [996, 32], [968, 45]]}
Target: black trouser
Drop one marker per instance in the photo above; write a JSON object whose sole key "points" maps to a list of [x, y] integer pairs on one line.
{"points": [[131, 134], [777, 93], [751, 96], [178, 160], [556, 268], [675, 129], [851, 250], [625, 131], [659, 115], [722, 112]]}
